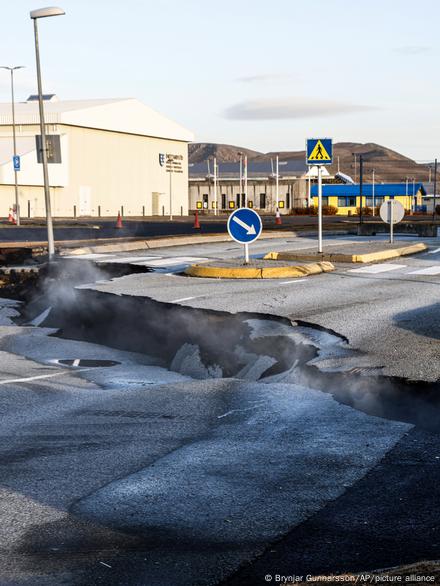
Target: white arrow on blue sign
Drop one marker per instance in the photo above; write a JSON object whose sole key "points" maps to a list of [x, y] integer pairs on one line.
{"points": [[16, 161], [244, 225]]}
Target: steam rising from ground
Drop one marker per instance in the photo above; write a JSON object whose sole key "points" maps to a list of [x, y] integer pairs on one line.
{"points": [[212, 344]]}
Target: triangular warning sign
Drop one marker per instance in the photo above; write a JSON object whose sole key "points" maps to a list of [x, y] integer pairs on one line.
{"points": [[319, 153]]}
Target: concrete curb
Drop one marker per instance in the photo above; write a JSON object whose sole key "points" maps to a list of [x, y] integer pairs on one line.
{"points": [[349, 258], [249, 272]]}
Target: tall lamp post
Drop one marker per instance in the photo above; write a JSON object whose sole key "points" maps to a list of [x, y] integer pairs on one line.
{"points": [[17, 205], [35, 15]]}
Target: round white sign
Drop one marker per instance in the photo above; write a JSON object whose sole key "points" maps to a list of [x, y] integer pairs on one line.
{"points": [[391, 208]]}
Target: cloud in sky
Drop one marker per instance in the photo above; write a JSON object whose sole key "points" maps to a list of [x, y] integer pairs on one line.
{"points": [[263, 78], [412, 50], [287, 108]]}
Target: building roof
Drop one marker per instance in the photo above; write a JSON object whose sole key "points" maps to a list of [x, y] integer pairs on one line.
{"points": [[380, 189], [126, 115], [257, 169]]}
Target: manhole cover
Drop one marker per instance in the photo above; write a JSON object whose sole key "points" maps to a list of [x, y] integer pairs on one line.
{"points": [[87, 362]]}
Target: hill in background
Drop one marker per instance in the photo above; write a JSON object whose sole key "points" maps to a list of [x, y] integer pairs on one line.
{"points": [[388, 164]]}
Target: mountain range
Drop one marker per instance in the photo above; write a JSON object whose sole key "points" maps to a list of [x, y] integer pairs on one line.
{"points": [[388, 165]]}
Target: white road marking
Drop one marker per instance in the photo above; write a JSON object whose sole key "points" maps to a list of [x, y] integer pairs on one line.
{"points": [[295, 281], [127, 259], [434, 251], [31, 378], [90, 256], [76, 362], [104, 564], [168, 262], [186, 299], [380, 268], [434, 270]]}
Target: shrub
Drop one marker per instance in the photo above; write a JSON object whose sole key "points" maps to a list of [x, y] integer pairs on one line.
{"points": [[367, 211], [329, 210]]}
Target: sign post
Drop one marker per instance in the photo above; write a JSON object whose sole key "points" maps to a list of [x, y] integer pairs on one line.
{"points": [[319, 151], [244, 226], [392, 212]]}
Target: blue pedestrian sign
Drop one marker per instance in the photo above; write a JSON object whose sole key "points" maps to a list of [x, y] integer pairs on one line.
{"points": [[319, 151], [244, 225], [16, 161]]}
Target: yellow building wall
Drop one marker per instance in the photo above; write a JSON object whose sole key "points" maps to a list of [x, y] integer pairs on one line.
{"points": [[405, 200]]}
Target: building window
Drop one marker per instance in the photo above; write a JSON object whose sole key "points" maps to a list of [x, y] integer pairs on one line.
{"points": [[262, 201], [378, 200], [346, 201], [325, 200], [223, 201]]}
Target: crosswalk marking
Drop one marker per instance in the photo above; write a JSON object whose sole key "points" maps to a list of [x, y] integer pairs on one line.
{"points": [[379, 268], [126, 259], [168, 262], [91, 256], [434, 270]]}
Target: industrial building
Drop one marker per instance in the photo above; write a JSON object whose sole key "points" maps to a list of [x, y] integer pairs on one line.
{"points": [[256, 189], [346, 198], [105, 156]]}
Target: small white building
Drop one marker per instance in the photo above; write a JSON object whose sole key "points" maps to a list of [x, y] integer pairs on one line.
{"points": [[105, 156]]}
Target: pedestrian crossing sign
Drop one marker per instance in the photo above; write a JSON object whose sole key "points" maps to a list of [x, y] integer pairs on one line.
{"points": [[319, 151]]}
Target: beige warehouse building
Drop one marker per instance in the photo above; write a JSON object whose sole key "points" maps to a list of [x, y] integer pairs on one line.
{"points": [[105, 156]]}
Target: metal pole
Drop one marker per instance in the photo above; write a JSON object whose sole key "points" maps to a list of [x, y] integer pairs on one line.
{"points": [[215, 186], [277, 168], [309, 191], [171, 196], [320, 208], [17, 204], [361, 186], [241, 178], [374, 199], [246, 254], [245, 180], [435, 189], [414, 194], [50, 238], [391, 204]]}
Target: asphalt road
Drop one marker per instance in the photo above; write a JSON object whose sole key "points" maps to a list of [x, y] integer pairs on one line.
{"points": [[140, 475]]}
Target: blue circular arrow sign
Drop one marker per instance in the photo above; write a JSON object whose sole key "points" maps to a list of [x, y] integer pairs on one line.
{"points": [[244, 225]]}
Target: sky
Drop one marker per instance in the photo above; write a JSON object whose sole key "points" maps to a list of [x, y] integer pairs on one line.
{"points": [[258, 74]]}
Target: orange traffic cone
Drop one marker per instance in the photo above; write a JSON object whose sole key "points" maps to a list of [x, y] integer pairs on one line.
{"points": [[119, 221], [11, 218], [196, 221], [278, 218]]}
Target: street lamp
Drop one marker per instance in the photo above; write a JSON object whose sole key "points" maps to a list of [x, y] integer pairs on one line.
{"points": [[35, 15], [17, 205]]}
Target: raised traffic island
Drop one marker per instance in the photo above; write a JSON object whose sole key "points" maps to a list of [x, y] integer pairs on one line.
{"points": [[257, 269], [352, 252]]}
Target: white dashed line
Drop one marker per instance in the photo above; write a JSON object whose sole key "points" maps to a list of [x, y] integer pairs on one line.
{"points": [[295, 281], [186, 299], [434, 270], [380, 268]]}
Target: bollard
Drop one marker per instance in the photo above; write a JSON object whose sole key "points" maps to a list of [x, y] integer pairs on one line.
{"points": [[143, 211], [99, 211], [74, 211], [181, 211], [163, 210], [122, 210], [29, 208]]}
